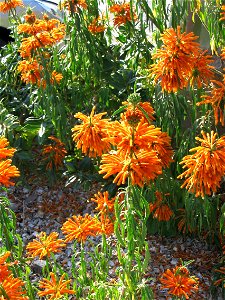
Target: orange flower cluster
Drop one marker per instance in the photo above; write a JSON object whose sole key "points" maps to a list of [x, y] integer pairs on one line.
{"points": [[89, 135], [10, 286], [7, 171], [180, 61], [54, 287], [54, 153], [142, 149], [206, 167], [81, 227], [179, 282], [6, 6], [40, 34], [96, 26], [73, 5], [45, 245], [122, 14], [162, 211]]}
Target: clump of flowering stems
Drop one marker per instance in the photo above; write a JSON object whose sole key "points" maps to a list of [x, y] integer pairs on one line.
{"points": [[206, 166], [38, 38], [137, 153], [180, 62]]}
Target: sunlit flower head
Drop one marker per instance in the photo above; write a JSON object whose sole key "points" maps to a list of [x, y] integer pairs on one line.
{"points": [[7, 171], [4, 150], [141, 168], [54, 153], [122, 14], [175, 59], [222, 13], [206, 166], [4, 267], [179, 283], [104, 204], [106, 225], [216, 99], [6, 6], [80, 228], [30, 71], [89, 135], [44, 245], [13, 288], [56, 77], [54, 288]]}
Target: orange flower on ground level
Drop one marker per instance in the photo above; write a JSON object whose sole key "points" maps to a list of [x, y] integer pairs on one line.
{"points": [[6, 6], [7, 171], [54, 153], [45, 245], [202, 71], [80, 227], [216, 99], [54, 288], [89, 135], [206, 167], [179, 282], [175, 59], [221, 270], [13, 288], [96, 26], [122, 14], [104, 203], [141, 167], [4, 152]]}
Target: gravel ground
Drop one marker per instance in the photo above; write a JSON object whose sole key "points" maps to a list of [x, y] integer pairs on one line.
{"points": [[45, 209]]}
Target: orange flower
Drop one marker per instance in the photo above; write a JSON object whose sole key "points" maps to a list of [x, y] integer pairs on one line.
{"points": [[222, 13], [89, 135], [45, 245], [221, 270], [216, 99], [4, 270], [183, 225], [135, 112], [54, 153], [179, 282], [6, 6], [96, 26], [141, 167], [122, 14], [13, 288], [104, 203], [4, 152], [54, 288], [206, 167], [202, 71], [7, 171], [73, 5], [162, 211], [175, 59], [106, 225], [80, 227], [56, 77], [30, 71]]}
